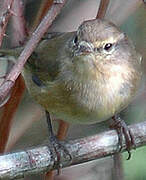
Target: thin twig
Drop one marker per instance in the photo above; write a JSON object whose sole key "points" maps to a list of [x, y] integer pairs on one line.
{"points": [[5, 15], [43, 8], [29, 47], [102, 8], [19, 29], [42, 159]]}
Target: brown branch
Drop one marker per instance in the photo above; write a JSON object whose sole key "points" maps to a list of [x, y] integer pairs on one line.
{"points": [[42, 159], [9, 112], [43, 9], [19, 29], [29, 47], [62, 130], [5, 15], [102, 8]]}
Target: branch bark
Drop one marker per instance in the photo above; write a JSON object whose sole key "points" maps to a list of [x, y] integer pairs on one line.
{"points": [[5, 15], [102, 8], [19, 28], [42, 159]]}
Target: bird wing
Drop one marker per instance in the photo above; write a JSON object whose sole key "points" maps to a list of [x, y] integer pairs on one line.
{"points": [[44, 62]]}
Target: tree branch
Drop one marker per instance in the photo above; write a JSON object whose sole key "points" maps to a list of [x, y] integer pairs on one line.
{"points": [[9, 111], [102, 8], [42, 159], [29, 47], [5, 15], [19, 28]]}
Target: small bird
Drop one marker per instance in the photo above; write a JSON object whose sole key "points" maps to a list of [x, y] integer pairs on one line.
{"points": [[83, 77]]}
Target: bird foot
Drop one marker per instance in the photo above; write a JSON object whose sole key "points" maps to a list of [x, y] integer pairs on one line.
{"points": [[122, 129], [59, 148], [58, 1]]}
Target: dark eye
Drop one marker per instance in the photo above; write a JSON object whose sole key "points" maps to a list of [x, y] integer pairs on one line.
{"points": [[108, 46], [75, 39]]}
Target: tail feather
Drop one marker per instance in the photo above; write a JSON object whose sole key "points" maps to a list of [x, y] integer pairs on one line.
{"points": [[7, 60], [10, 53]]}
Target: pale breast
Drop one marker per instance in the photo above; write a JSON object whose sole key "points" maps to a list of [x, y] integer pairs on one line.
{"points": [[89, 102]]}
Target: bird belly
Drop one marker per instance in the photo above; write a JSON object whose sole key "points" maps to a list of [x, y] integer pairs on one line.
{"points": [[70, 107], [83, 105]]}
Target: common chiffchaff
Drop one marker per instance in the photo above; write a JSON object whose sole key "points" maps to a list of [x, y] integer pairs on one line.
{"points": [[85, 76]]}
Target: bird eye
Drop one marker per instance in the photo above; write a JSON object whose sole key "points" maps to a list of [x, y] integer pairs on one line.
{"points": [[108, 46], [75, 39]]}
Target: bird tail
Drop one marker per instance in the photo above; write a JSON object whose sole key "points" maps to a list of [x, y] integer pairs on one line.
{"points": [[10, 54]]}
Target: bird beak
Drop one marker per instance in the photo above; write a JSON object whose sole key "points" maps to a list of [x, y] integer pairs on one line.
{"points": [[83, 48]]}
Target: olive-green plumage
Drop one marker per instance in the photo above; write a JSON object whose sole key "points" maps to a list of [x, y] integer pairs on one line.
{"points": [[85, 76]]}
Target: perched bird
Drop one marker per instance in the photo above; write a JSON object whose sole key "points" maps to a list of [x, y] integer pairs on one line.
{"points": [[84, 77]]}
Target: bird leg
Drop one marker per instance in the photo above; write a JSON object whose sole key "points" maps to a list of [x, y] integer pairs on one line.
{"points": [[57, 145]]}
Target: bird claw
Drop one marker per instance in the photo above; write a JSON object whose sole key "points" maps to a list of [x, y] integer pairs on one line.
{"points": [[122, 129], [58, 149], [58, 1]]}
